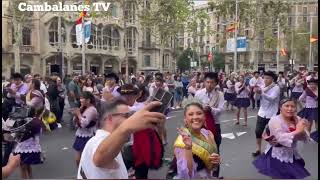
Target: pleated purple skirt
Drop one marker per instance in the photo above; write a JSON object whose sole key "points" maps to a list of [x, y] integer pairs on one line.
{"points": [[309, 113], [242, 102], [30, 158], [276, 169], [80, 143]]}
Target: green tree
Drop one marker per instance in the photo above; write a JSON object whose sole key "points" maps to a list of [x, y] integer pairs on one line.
{"points": [[218, 61], [184, 61], [165, 19]]}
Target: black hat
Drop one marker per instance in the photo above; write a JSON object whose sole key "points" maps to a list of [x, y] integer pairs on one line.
{"points": [[159, 78], [312, 80], [113, 76], [158, 74], [128, 89], [271, 74], [17, 76]]}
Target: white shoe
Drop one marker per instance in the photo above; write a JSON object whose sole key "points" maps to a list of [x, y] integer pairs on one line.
{"points": [[59, 125], [172, 108]]}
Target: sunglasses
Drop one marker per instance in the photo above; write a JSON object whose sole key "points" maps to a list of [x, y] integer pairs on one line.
{"points": [[125, 115]]}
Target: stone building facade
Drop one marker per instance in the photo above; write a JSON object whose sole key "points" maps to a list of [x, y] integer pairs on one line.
{"points": [[40, 48]]}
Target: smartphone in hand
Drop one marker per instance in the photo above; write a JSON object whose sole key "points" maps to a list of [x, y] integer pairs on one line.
{"points": [[164, 97]]}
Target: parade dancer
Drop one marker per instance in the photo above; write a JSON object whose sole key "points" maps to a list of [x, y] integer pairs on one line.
{"points": [[282, 84], [230, 94], [310, 98], [29, 146], [213, 102], [255, 83], [297, 84], [85, 118], [270, 97], [195, 151], [281, 159], [242, 101]]}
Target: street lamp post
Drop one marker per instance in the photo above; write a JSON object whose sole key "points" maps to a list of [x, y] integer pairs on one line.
{"points": [[60, 32], [235, 39], [278, 44], [310, 67]]}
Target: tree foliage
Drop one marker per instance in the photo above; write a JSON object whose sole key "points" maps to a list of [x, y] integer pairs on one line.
{"points": [[184, 59]]}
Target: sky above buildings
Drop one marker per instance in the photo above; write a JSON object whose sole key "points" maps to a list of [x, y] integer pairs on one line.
{"points": [[200, 2]]}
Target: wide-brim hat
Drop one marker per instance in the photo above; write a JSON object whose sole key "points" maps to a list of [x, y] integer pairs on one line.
{"points": [[128, 89]]}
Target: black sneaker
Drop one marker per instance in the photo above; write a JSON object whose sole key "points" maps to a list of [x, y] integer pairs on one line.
{"points": [[255, 154]]}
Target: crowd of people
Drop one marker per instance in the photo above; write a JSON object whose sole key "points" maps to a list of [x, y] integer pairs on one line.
{"points": [[118, 133]]}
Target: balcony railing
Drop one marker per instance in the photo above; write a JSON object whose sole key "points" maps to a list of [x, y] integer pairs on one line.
{"points": [[148, 44]]}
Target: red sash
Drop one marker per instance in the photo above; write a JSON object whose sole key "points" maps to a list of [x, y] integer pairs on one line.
{"points": [[147, 148], [210, 122]]}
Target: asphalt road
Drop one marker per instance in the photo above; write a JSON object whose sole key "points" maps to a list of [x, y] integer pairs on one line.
{"points": [[236, 149]]}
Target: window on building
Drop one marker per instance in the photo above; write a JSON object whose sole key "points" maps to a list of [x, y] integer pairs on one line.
{"points": [[148, 37], [54, 33], [129, 11], [305, 10], [147, 4], [246, 32], [147, 61], [99, 36], [207, 49], [305, 19], [106, 37], [189, 43], [26, 36], [114, 10], [131, 38], [115, 38], [93, 37], [12, 35], [73, 37], [290, 21]]}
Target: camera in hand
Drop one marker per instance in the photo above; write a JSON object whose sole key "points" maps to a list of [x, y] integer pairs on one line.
{"points": [[164, 97]]}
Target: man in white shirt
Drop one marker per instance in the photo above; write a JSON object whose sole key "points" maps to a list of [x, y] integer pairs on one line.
{"points": [[255, 82], [213, 101], [270, 97], [101, 157]]}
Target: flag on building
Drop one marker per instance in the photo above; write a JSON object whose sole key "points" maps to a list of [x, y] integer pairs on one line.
{"points": [[283, 52], [210, 57], [83, 13], [87, 31], [313, 39], [79, 33], [232, 27]]}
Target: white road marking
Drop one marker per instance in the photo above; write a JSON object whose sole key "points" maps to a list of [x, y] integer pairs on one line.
{"points": [[240, 133], [249, 117], [170, 117], [65, 148], [228, 135]]}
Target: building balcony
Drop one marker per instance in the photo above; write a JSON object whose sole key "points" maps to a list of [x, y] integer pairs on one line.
{"points": [[147, 44], [27, 49]]}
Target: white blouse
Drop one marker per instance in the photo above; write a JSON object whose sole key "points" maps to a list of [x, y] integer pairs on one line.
{"points": [[281, 132]]}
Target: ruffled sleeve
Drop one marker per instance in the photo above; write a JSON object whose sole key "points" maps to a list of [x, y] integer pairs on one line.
{"points": [[88, 115], [282, 137], [182, 168]]}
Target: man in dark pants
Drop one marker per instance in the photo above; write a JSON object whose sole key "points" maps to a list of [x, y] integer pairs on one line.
{"points": [[270, 97], [213, 102]]}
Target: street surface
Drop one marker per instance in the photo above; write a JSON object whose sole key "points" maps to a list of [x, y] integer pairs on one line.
{"points": [[237, 145]]}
